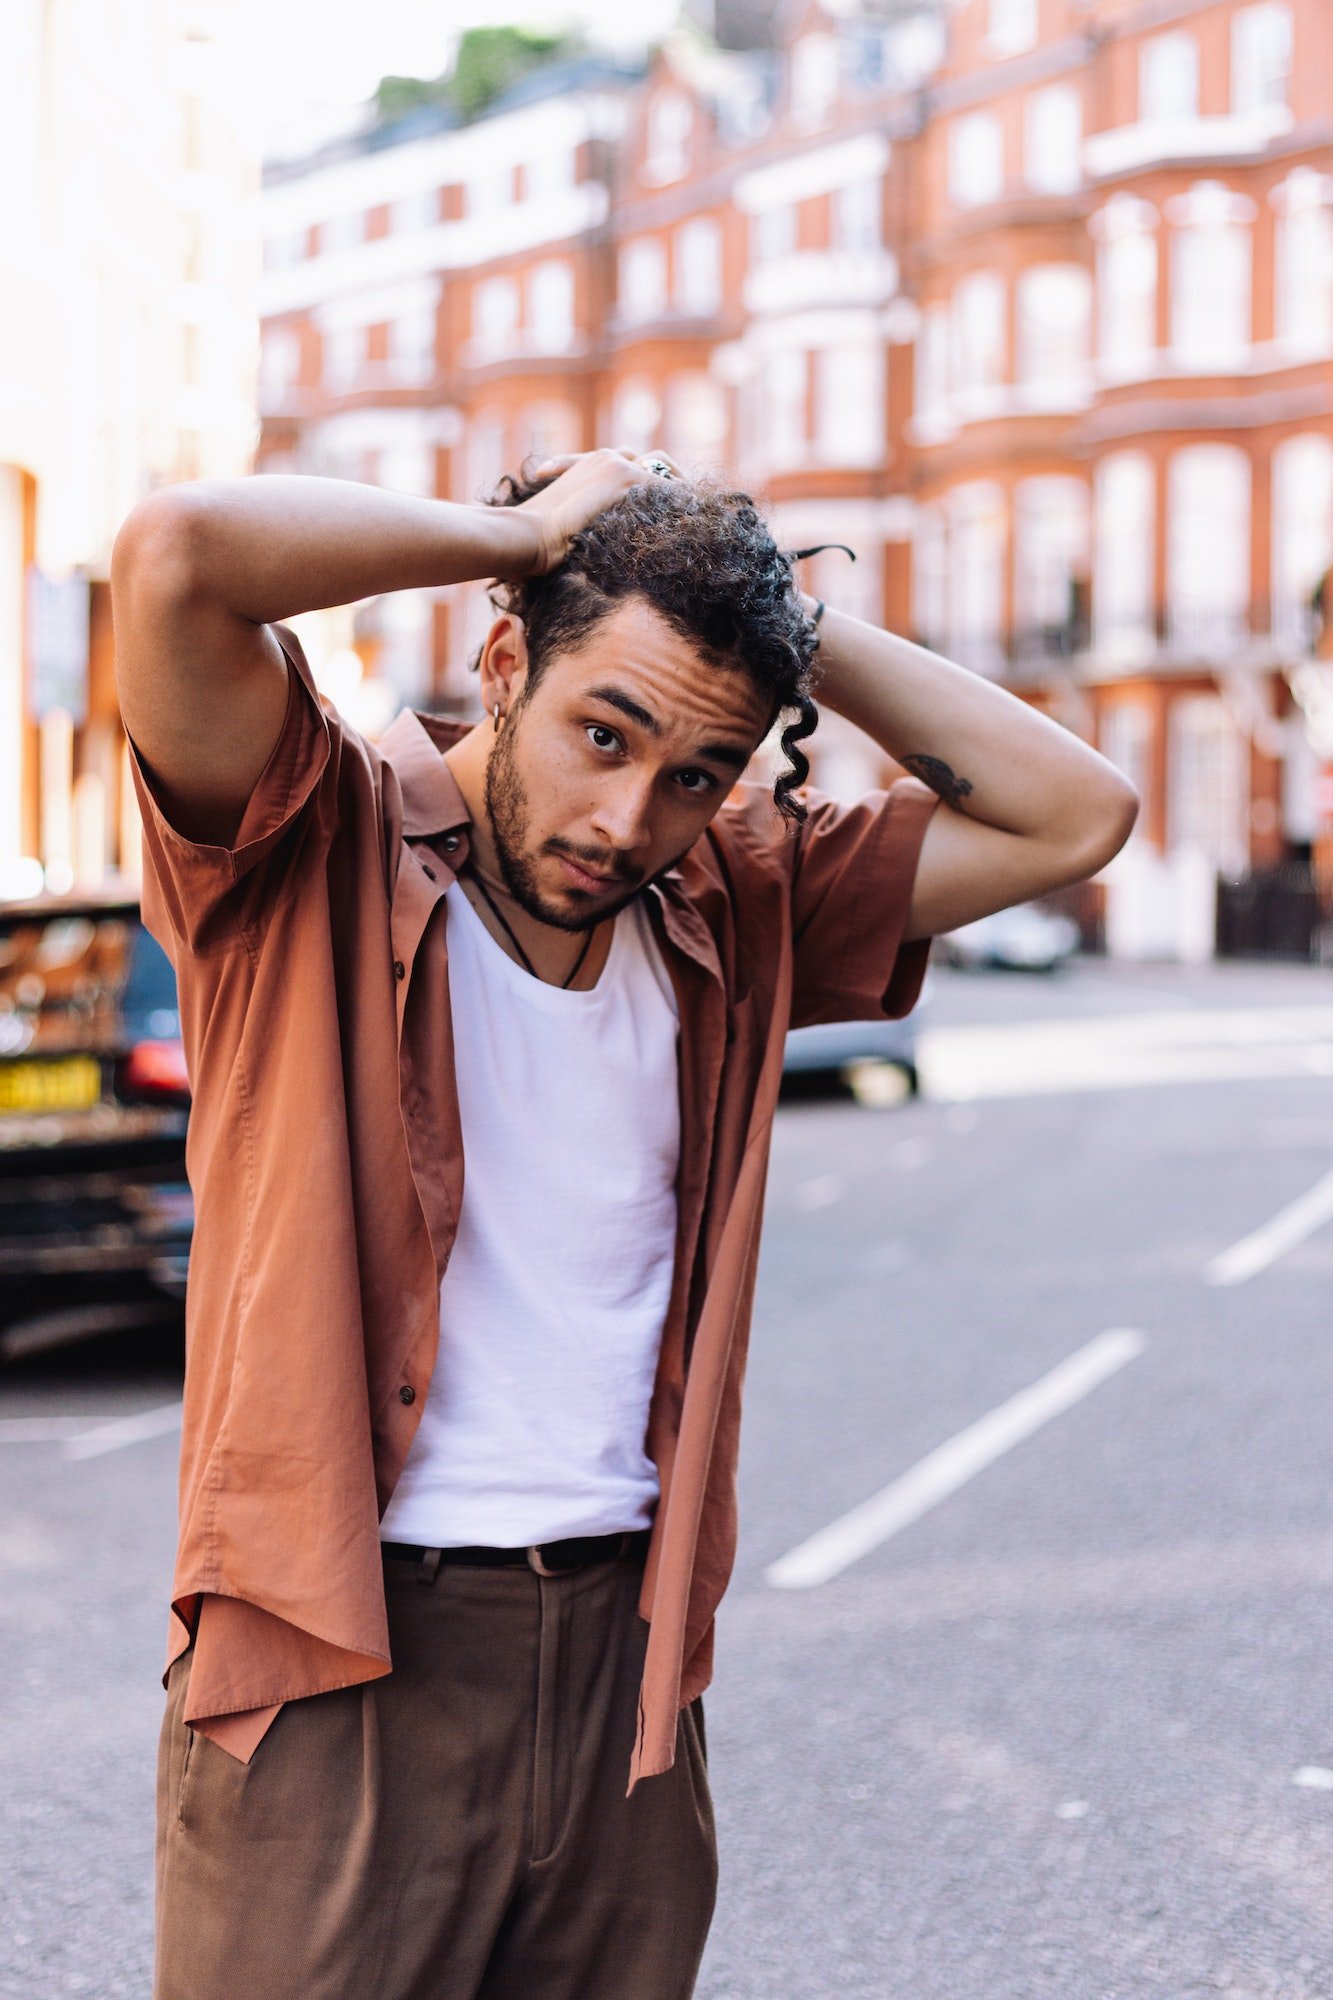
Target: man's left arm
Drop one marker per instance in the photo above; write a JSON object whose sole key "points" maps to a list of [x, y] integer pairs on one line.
{"points": [[1026, 805]]}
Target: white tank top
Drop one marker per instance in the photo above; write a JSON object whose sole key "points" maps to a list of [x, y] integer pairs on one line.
{"points": [[551, 1310]]}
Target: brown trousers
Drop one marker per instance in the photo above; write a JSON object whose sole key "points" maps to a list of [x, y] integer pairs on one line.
{"points": [[455, 1831]]}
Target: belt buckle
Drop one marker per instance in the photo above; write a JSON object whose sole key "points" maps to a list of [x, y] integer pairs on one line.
{"points": [[537, 1563]]}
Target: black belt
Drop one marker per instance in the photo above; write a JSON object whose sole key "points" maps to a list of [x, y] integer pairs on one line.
{"points": [[546, 1558]]}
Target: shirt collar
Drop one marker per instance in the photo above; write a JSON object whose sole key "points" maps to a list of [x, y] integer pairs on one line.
{"points": [[413, 746]]}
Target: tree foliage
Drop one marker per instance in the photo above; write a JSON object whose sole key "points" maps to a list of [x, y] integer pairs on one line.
{"points": [[489, 60]]}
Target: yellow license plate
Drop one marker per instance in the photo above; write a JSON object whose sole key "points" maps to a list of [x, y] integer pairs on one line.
{"points": [[71, 1083]]}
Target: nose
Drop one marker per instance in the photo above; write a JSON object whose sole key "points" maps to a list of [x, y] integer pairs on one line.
{"points": [[620, 816]]}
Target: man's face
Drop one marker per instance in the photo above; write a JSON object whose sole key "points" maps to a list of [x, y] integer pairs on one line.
{"points": [[610, 768]]}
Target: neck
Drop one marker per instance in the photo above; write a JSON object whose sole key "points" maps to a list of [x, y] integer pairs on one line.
{"points": [[550, 950]]}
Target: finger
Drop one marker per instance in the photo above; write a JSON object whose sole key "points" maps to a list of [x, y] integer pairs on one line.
{"points": [[561, 463]]}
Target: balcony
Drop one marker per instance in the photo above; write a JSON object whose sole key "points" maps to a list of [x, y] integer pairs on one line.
{"points": [[821, 277]]}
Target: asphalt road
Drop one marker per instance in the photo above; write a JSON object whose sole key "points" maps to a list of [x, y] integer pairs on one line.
{"points": [[1059, 1720]]}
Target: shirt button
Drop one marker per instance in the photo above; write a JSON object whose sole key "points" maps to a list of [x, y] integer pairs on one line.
{"points": [[452, 842], [428, 871], [399, 969], [407, 1394]]}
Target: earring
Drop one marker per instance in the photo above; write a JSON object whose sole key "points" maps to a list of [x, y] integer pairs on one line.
{"points": [[495, 716]]}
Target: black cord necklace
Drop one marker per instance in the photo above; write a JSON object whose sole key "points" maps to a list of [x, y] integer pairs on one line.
{"points": [[508, 930]]}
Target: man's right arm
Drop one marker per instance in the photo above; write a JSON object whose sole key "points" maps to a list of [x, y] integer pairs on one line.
{"points": [[200, 571]]}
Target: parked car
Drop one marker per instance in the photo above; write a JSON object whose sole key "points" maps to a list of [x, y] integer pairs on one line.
{"points": [[842, 1047], [1025, 938], [95, 1210]]}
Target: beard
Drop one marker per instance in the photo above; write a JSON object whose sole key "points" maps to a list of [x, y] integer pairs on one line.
{"points": [[510, 822]]}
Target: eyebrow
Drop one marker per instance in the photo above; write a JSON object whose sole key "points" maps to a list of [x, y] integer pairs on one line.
{"points": [[715, 753]]}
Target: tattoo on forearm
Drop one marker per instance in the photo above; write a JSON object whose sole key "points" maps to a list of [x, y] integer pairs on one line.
{"points": [[934, 772]]}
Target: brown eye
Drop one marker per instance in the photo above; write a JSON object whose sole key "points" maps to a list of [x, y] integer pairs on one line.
{"points": [[601, 737]]}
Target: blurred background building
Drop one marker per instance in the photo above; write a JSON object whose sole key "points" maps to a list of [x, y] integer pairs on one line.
{"points": [[1028, 301]]}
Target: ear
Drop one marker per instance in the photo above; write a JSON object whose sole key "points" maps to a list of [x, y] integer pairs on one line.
{"points": [[503, 665]]}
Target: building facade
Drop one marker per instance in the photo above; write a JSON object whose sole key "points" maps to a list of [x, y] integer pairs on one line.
{"points": [[128, 351], [1030, 302]]}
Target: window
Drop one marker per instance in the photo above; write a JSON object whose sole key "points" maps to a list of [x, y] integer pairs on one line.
{"points": [[1210, 278], [1052, 138], [1303, 278], [549, 175], [1127, 285], [670, 123], [857, 216], [930, 575], [408, 467], [414, 212], [1122, 597], [1302, 544], [1207, 782], [1054, 307], [637, 415], [412, 345], [785, 383], [551, 306], [1125, 741], [814, 78], [495, 313], [932, 366], [1050, 556], [279, 365], [344, 354], [548, 430], [1168, 78], [849, 404], [1011, 26], [489, 191], [642, 279], [486, 452], [1208, 547], [696, 419], [342, 232], [698, 267], [976, 159], [1260, 56], [773, 234], [976, 575], [978, 345]]}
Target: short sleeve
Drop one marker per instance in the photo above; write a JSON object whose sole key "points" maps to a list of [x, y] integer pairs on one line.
{"points": [[199, 897], [851, 896]]}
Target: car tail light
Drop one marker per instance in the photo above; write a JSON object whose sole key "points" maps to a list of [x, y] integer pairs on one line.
{"points": [[155, 1069]]}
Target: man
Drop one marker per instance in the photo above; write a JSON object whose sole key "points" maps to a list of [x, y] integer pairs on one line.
{"points": [[485, 1029]]}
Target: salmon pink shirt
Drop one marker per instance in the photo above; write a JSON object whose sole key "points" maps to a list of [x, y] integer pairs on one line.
{"points": [[326, 1159]]}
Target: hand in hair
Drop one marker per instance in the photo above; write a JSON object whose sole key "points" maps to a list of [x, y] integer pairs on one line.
{"points": [[574, 490]]}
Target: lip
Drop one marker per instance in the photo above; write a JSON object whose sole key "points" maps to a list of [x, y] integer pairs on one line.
{"points": [[583, 878]]}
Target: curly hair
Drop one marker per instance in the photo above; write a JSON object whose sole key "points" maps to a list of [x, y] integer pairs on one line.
{"points": [[704, 559]]}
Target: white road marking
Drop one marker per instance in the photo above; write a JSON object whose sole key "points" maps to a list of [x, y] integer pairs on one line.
{"points": [[1130, 1051], [821, 1192], [1315, 1777], [125, 1430], [942, 1471], [41, 1430], [1262, 1247]]}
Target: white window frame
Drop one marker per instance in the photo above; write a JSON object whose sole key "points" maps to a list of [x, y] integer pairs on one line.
{"points": [[975, 146], [1053, 139], [1261, 48], [1168, 78]]}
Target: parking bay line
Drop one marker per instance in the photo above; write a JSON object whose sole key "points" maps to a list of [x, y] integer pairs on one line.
{"points": [[81, 1441], [1263, 1246], [943, 1471]]}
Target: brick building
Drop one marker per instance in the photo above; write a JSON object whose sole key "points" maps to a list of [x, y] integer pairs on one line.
{"points": [[1035, 313]]}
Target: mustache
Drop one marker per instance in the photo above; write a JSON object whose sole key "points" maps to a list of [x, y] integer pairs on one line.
{"points": [[598, 861]]}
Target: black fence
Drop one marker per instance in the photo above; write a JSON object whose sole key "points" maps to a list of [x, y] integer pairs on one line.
{"points": [[1270, 913]]}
